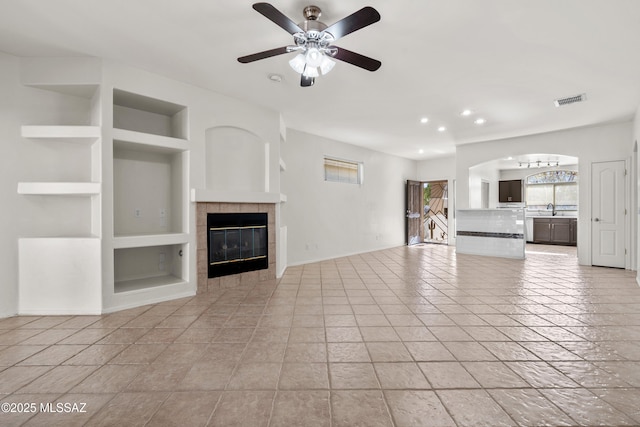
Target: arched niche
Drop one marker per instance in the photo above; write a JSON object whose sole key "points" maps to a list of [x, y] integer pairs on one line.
{"points": [[236, 160]]}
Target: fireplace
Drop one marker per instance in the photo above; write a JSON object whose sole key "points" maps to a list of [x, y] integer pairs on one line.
{"points": [[232, 277], [236, 243]]}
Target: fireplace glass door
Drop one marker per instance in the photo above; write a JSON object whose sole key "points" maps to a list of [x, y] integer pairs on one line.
{"points": [[237, 243]]}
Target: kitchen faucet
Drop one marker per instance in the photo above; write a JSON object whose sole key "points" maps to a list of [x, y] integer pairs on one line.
{"points": [[553, 209]]}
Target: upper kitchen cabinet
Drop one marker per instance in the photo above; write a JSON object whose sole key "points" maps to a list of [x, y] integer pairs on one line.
{"points": [[510, 191]]}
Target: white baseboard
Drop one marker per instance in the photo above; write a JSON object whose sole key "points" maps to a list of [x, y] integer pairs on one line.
{"points": [[4, 315], [311, 261]]}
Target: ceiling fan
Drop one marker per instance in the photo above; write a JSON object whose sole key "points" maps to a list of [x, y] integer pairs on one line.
{"points": [[313, 41]]}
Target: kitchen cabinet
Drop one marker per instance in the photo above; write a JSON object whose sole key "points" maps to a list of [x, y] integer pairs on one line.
{"points": [[555, 231], [510, 191]]}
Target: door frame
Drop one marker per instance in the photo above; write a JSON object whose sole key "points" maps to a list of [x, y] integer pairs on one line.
{"points": [[450, 219], [410, 214]]}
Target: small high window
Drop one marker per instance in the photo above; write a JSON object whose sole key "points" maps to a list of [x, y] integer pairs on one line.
{"points": [[337, 170]]}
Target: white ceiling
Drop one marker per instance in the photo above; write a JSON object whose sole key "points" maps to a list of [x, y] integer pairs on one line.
{"points": [[506, 60]]}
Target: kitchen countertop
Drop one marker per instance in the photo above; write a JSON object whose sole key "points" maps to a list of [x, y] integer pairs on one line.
{"points": [[547, 214]]}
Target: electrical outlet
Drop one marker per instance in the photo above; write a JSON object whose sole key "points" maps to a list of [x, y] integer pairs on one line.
{"points": [[163, 213], [137, 213]]}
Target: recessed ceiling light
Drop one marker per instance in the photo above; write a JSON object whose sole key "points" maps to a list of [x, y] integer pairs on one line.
{"points": [[479, 121], [421, 151], [466, 113], [442, 129], [424, 120], [275, 78]]}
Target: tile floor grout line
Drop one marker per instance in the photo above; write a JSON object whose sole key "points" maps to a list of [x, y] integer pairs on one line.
{"points": [[388, 279]]}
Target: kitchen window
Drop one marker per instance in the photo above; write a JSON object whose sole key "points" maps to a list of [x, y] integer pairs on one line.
{"points": [[557, 187]]}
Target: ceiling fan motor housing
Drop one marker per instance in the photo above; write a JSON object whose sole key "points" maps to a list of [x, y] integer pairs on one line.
{"points": [[311, 13], [313, 35], [311, 26]]}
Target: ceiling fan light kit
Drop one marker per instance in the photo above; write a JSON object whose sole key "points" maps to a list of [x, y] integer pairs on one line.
{"points": [[313, 41]]}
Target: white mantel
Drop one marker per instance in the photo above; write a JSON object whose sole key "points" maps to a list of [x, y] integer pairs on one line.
{"points": [[204, 195]]}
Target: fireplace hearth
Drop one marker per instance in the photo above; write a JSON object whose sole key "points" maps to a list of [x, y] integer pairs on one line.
{"points": [[236, 243]]}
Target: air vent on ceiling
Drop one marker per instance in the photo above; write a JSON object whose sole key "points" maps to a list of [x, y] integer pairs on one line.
{"points": [[570, 100]]}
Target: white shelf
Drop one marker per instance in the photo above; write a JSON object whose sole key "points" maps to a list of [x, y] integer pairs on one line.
{"points": [[150, 142], [145, 240], [61, 239], [146, 283], [75, 133], [204, 195], [59, 188]]}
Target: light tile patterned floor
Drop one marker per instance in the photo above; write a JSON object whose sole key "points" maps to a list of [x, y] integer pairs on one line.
{"points": [[405, 337]]}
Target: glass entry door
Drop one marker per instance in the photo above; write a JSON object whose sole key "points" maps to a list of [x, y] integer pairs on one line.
{"points": [[436, 211]]}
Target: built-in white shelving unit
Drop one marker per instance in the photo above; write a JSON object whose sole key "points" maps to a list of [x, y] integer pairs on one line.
{"points": [[106, 187], [72, 134], [150, 198], [61, 274]]}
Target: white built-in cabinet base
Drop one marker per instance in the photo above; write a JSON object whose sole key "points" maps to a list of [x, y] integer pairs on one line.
{"points": [[60, 276]]}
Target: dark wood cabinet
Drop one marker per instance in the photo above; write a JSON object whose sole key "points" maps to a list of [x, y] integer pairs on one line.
{"points": [[555, 231], [560, 232], [541, 230], [510, 191]]}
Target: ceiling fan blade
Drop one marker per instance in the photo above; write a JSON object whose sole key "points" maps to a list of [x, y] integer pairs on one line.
{"points": [[277, 17], [306, 81], [263, 55], [357, 59], [357, 20]]}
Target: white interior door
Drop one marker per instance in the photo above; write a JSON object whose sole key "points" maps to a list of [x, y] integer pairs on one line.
{"points": [[608, 214]]}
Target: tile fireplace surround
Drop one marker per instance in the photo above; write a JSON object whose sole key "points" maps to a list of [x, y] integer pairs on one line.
{"points": [[207, 284]]}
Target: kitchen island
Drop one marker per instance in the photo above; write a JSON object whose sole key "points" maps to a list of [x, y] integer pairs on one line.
{"points": [[491, 232]]}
